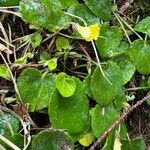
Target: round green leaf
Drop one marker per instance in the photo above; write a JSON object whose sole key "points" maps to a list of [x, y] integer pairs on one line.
{"points": [[143, 26], [62, 43], [80, 10], [8, 124], [52, 140], [126, 66], [70, 113], [103, 92], [101, 8], [9, 2], [109, 41], [35, 88], [52, 64], [4, 73], [134, 144], [65, 84], [102, 118], [36, 39], [140, 56], [44, 13]]}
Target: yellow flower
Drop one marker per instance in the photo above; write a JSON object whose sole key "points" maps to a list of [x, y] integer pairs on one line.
{"points": [[90, 32]]}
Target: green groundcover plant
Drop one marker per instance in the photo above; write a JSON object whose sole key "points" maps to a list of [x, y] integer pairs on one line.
{"points": [[80, 104]]}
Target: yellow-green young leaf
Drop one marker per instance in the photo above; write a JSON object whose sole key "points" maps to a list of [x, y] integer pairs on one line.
{"points": [[62, 43], [23, 60], [65, 84], [35, 39], [87, 139], [4, 73], [52, 64], [52, 140]]}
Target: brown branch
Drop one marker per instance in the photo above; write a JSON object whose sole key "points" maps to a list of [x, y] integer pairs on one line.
{"points": [[118, 121]]}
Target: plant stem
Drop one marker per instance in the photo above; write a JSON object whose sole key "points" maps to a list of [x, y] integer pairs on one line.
{"points": [[122, 27], [137, 88], [13, 79], [12, 145]]}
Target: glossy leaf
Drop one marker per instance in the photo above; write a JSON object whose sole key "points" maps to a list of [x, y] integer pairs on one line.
{"points": [[35, 88], [52, 63], [23, 59], [66, 4], [9, 125], [35, 39], [9, 3], [143, 26], [52, 140], [65, 84], [140, 56], [103, 92], [70, 113], [101, 8], [109, 41], [44, 13], [62, 44], [4, 73], [80, 10], [134, 144], [127, 67], [102, 118]]}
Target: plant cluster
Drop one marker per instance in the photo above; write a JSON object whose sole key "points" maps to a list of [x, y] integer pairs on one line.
{"points": [[80, 80]]}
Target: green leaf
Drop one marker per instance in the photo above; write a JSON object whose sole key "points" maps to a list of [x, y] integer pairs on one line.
{"points": [[36, 39], [17, 139], [62, 43], [52, 140], [65, 84], [9, 2], [148, 82], [120, 99], [66, 4], [103, 92], [127, 67], [70, 113], [23, 60], [101, 8], [44, 13], [86, 84], [87, 139], [143, 26], [35, 88], [80, 10], [8, 124], [52, 64], [140, 56], [102, 118], [109, 41], [44, 56], [4, 73], [134, 144]]}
